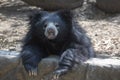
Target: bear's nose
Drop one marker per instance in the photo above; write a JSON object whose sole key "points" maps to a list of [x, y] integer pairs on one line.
{"points": [[50, 30]]}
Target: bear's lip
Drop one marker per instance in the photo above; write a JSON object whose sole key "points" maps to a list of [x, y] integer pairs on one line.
{"points": [[51, 36]]}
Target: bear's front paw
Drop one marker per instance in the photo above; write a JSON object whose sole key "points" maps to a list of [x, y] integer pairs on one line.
{"points": [[32, 71]]}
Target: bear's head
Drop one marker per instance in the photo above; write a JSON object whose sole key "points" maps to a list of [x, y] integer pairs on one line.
{"points": [[51, 25]]}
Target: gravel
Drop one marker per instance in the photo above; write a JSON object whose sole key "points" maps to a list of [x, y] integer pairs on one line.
{"points": [[102, 28]]}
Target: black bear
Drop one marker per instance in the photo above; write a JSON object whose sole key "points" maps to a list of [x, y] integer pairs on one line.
{"points": [[54, 33]]}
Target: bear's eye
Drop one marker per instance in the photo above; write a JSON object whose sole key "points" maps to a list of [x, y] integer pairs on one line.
{"points": [[44, 26], [57, 25]]}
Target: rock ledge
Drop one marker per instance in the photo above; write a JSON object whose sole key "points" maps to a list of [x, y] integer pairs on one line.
{"points": [[93, 69]]}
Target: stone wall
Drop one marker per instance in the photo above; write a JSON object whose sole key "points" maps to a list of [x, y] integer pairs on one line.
{"points": [[101, 68]]}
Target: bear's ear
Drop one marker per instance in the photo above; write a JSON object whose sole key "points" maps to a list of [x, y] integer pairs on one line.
{"points": [[65, 14], [35, 16]]}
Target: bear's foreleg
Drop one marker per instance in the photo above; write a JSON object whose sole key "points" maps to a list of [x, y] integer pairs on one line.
{"points": [[31, 56], [66, 63]]}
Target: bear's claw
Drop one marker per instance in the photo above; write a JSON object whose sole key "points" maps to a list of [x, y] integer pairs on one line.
{"points": [[58, 73], [32, 72], [56, 76]]}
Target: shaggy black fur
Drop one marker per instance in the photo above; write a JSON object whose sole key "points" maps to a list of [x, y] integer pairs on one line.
{"points": [[70, 41]]}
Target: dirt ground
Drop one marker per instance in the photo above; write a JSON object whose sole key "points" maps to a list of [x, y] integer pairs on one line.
{"points": [[102, 28]]}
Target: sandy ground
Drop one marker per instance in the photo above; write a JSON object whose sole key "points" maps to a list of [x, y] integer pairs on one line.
{"points": [[102, 28]]}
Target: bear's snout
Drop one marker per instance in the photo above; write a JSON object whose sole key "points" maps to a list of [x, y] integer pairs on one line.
{"points": [[51, 31]]}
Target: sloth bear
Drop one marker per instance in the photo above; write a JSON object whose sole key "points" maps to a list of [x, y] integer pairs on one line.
{"points": [[54, 33]]}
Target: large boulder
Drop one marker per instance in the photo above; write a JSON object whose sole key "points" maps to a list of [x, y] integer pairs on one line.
{"points": [[93, 69], [111, 6], [55, 4]]}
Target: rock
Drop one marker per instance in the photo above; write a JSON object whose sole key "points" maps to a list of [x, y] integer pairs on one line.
{"points": [[93, 69], [111, 6], [55, 4], [103, 69]]}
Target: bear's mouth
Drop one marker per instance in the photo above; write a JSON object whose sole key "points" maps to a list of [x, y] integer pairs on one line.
{"points": [[51, 36]]}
